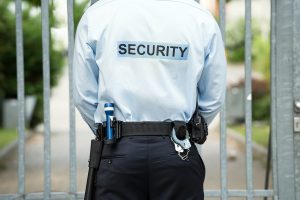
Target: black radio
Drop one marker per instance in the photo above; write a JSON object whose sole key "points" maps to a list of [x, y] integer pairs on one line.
{"points": [[197, 128]]}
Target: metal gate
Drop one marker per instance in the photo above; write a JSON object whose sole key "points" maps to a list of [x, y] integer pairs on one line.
{"points": [[285, 113]]}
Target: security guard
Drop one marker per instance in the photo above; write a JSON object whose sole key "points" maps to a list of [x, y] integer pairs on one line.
{"points": [[156, 61]]}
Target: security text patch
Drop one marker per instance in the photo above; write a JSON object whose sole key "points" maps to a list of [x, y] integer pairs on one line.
{"points": [[152, 50]]}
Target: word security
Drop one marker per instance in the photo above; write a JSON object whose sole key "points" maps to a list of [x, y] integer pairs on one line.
{"points": [[152, 50]]}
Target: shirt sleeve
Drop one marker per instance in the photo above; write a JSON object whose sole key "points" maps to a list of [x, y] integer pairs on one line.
{"points": [[212, 83], [86, 75]]}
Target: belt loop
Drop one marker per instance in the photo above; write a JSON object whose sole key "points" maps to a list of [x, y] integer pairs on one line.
{"points": [[100, 132], [118, 129]]}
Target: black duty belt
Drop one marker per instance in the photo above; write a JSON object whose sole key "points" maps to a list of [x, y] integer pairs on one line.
{"points": [[122, 129], [146, 128], [196, 128]]}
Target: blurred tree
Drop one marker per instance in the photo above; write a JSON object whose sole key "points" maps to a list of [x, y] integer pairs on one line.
{"points": [[235, 47], [34, 2], [235, 52], [32, 57], [79, 9], [32, 52]]}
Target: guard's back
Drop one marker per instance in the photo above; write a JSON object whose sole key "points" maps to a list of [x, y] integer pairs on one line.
{"points": [[150, 55]]}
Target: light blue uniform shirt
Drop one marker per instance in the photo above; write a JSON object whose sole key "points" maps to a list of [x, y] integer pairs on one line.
{"points": [[152, 58]]}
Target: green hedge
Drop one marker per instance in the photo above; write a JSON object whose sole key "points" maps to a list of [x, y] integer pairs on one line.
{"points": [[260, 132], [33, 65], [33, 69], [7, 136], [235, 52], [235, 41]]}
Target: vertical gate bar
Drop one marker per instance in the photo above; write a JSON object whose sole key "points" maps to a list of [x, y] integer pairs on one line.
{"points": [[223, 134], [46, 96], [222, 22], [223, 154], [73, 167], [296, 78], [248, 99], [199, 147], [273, 99], [284, 99], [21, 98]]}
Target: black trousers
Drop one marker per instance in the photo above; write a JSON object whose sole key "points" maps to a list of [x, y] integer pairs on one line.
{"points": [[148, 168]]}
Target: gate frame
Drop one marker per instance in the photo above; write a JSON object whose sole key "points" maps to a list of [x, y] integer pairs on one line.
{"points": [[285, 79], [285, 88]]}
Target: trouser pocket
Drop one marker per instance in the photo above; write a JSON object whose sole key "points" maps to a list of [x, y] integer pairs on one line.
{"points": [[122, 172]]}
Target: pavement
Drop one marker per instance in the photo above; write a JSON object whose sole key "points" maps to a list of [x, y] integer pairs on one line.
{"points": [[60, 154]]}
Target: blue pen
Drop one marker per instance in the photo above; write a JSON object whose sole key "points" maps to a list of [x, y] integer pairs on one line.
{"points": [[109, 111]]}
